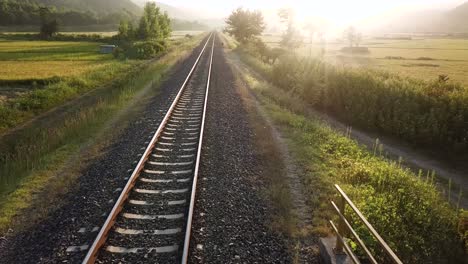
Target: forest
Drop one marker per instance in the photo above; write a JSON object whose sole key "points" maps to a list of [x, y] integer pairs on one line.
{"points": [[27, 13]]}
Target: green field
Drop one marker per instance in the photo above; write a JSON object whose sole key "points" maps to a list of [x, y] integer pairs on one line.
{"points": [[420, 58], [20, 60]]}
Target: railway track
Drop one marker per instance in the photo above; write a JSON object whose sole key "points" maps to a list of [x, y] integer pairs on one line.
{"points": [[151, 220]]}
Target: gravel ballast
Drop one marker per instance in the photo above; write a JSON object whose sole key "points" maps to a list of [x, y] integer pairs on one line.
{"points": [[231, 214], [64, 236]]}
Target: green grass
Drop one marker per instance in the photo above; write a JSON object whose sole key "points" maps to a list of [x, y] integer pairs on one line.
{"points": [[408, 211], [42, 156], [428, 115], [36, 76], [45, 59]]}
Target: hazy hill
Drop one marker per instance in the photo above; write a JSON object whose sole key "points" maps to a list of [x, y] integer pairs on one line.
{"points": [[95, 6], [429, 21], [174, 12], [187, 14], [457, 19], [177, 12]]}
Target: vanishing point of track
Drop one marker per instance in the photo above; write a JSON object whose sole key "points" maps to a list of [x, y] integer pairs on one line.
{"points": [[151, 220]]}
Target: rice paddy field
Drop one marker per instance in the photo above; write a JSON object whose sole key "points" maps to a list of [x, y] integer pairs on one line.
{"points": [[21, 60], [421, 58]]}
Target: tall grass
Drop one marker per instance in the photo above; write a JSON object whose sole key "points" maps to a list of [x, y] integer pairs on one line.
{"points": [[433, 114], [58, 91], [24, 150], [408, 211]]}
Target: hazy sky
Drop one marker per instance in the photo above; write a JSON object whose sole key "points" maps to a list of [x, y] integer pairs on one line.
{"points": [[339, 11]]}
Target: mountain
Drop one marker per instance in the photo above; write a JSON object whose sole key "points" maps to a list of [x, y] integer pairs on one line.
{"points": [[188, 14], [457, 19], [94, 6], [423, 21], [176, 12]]}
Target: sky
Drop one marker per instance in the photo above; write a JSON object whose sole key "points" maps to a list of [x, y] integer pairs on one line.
{"points": [[337, 11]]}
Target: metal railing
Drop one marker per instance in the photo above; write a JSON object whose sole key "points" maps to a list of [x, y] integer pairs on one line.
{"points": [[344, 228]]}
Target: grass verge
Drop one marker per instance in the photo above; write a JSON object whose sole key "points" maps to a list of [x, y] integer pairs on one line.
{"points": [[408, 210], [51, 159]]}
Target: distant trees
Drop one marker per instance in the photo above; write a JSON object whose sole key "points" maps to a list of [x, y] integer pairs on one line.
{"points": [[153, 25], [149, 38], [177, 24], [49, 24], [291, 38], [353, 37], [245, 25], [27, 12]]}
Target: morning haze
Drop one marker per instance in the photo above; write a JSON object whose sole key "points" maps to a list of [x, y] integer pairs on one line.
{"points": [[134, 131]]}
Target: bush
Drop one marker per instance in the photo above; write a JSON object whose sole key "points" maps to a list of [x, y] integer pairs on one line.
{"points": [[144, 49]]}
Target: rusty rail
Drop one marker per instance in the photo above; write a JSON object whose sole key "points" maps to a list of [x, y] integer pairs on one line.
{"points": [[185, 253], [103, 232], [344, 227]]}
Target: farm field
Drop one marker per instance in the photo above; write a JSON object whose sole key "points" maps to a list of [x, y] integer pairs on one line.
{"points": [[21, 60], [24, 63], [419, 58]]}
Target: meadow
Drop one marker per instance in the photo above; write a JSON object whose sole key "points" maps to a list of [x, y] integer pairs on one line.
{"points": [[419, 58]]}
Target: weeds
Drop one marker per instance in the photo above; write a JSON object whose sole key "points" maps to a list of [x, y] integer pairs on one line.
{"points": [[408, 211], [433, 114]]}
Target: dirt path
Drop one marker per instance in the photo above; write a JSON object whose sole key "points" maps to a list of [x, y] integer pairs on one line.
{"points": [[412, 158]]}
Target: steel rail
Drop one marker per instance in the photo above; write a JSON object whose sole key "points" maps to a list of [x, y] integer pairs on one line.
{"points": [[371, 229], [102, 235], [197, 165]]}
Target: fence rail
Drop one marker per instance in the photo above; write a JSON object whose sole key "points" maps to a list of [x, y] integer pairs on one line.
{"points": [[344, 228]]}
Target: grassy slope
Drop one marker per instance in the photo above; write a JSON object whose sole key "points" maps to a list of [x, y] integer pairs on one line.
{"points": [[371, 180], [87, 132]]}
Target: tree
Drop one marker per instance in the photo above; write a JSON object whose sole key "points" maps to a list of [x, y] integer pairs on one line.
{"points": [[245, 25], [311, 28], [143, 28], [353, 36], [49, 25], [291, 38], [154, 24], [124, 29]]}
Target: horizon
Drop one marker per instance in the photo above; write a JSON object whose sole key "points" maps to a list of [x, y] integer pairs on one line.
{"points": [[351, 12]]}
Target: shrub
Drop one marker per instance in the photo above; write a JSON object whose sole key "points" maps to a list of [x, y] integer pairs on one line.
{"points": [[145, 49]]}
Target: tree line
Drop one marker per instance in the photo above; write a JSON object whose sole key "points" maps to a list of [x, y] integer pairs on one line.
{"points": [[29, 13]]}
